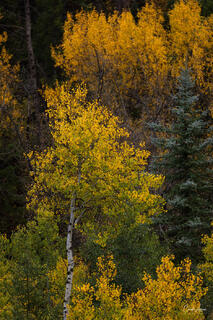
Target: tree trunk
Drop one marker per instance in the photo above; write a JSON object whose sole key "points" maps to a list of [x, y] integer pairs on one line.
{"points": [[70, 259], [70, 268], [33, 95]]}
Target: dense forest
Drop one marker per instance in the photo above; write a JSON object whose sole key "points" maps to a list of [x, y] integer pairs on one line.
{"points": [[106, 194]]}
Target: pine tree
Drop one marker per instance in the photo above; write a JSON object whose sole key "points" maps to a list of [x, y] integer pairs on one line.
{"points": [[25, 263], [13, 179], [185, 161]]}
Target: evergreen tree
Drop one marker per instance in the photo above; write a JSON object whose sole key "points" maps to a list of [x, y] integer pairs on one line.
{"points": [[25, 262], [207, 7], [185, 161], [13, 177], [136, 249]]}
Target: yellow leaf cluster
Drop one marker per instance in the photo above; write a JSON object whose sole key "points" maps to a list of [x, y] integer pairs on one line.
{"points": [[105, 295], [174, 295], [9, 77], [6, 306], [8, 73], [114, 55], [57, 280], [191, 41], [207, 270], [126, 62], [207, 267], [92, 159]]}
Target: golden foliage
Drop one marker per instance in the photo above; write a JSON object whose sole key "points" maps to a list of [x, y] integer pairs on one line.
{"points": [[92, 159], [207, 270], [207, 267], [128, 63], [114, 55], [57, 280], [6, 306], [106, 296], [107, 293], [8, 80], [174, 295], [191, 42], [8, 73]]}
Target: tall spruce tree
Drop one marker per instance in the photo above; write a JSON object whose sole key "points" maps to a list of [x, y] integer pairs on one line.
{"points": [[185, 149]]}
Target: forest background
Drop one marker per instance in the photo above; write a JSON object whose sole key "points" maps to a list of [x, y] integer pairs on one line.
{"points": [[120, 92]]}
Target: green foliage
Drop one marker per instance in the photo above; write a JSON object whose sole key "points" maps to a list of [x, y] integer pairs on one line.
{"points": [[32, 253], [135, 249], [13, 178], [46, 33], [207, 7], [185, 159]]}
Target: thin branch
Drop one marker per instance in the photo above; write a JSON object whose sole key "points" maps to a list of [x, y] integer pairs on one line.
{"points": [[79, 217], [11, 26]]}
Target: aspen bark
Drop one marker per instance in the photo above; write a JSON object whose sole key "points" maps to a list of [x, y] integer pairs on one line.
{"points": [[70, 258]]}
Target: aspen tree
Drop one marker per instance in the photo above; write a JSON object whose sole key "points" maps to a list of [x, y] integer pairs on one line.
{"points": [[91, 172]]}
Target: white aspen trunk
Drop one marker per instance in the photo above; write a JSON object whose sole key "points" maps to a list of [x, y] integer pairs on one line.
{"points": [[70, 259]]}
